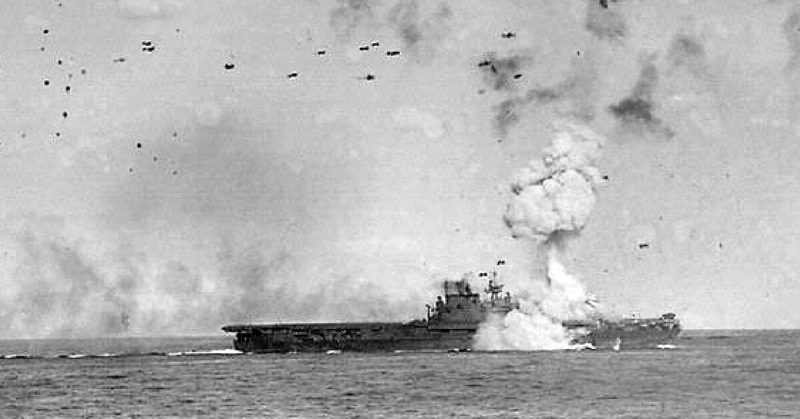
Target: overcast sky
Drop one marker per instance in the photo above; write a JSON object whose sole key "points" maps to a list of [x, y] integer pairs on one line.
{"points": [[169, 166]]}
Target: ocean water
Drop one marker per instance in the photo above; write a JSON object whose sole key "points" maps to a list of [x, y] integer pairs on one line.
{"points": [[709, 374]]}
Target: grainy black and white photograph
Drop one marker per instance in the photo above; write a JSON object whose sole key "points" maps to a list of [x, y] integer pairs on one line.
{"points": [[399, 208]]}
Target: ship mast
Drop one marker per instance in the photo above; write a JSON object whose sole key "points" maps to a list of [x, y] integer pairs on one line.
{"points": [[494, 289]]}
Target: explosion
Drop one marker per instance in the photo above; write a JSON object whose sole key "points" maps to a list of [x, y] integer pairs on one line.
{"points": [[556, 193], [552, 196]]}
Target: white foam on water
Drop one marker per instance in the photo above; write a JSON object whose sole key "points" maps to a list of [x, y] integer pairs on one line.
{"points": [[108, 355], [552, 196], [16, 356], [210, 352], [582, 346]]}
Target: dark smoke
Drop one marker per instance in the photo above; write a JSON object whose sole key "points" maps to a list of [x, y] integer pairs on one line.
{"points": [[420, 30], [545, 96], [499, 72], [634, 109], [686, 50], [791, 30], [419, 26], [638, 107], [506, 114], [573, 95]]}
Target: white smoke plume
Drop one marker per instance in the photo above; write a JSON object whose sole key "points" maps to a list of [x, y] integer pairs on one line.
{"points": [[64, 280], [556, 193], [552, 196]]}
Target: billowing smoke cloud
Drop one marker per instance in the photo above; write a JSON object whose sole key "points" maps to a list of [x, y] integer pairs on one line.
{"points": [[556, 193], [536, 325], [552, 197], [65, 280], [39, 260], [229, 238]]}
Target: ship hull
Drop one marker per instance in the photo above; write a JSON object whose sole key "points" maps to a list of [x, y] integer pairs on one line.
{"points": [[361, 337], [387, 337], [618, 338]]}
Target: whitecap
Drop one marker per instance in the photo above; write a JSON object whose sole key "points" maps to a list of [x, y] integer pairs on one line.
{"points": [[16, 356], [582, 346], [209, 352]]}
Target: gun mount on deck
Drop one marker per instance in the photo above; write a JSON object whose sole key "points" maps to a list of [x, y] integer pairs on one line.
{"points": [[451, 323]]}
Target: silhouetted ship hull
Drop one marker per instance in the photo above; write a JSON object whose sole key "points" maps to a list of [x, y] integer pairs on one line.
{"points": [[450, 325], [366, 337], [628, 333], [377, 337]]}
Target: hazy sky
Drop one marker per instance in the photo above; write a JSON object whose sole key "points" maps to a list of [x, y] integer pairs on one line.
{"points": [[169, 166]]}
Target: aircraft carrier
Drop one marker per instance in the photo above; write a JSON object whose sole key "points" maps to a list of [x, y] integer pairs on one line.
{"points": [[451, 324]]}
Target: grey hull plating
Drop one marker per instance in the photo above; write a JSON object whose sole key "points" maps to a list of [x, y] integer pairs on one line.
{"points": [[307, 337], [451, 324], [376, 337]]}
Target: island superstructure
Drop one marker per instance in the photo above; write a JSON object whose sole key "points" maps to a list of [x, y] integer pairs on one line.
{"points": [[451, 324]]}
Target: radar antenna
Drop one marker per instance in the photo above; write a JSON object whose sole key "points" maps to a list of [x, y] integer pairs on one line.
{"points": [[494, 289]]}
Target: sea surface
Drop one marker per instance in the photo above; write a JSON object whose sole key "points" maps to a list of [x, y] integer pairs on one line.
{"points": [[709, 374]]}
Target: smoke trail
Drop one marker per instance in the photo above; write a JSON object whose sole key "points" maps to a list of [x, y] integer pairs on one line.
{"points": [[551, 197]]}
